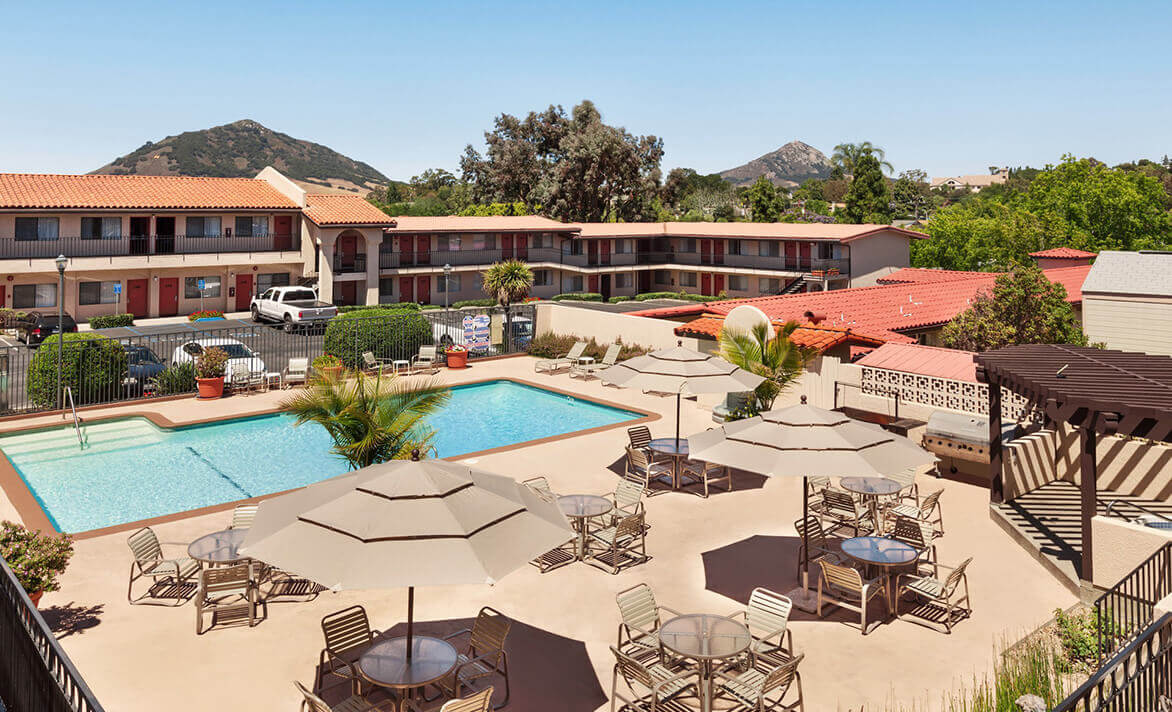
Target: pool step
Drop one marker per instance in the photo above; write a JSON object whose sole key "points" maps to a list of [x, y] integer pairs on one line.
{"points": [[60, 442]]}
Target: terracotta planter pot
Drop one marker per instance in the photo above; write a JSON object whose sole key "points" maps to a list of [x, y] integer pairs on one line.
{"points": [[457, 359], [210, 388], [331, 373], [36, 598]]}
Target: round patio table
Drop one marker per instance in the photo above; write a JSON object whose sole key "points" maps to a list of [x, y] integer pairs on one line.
{"points": [[677, 452], [882, 553], [219, 548], [871, 489], [705, 638], [581, 508], [385, 663]]}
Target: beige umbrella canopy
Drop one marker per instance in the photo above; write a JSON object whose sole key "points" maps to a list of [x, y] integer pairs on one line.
{"points": [[676, 369]]}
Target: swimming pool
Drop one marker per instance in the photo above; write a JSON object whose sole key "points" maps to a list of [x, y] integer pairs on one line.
{"points": [[132, 469]]}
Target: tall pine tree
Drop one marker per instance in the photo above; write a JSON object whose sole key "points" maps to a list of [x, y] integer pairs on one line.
{"points": [[867, 199]]}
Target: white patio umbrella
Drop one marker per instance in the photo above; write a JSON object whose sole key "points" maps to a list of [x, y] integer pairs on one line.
{"points": [[676, 369], [405, 524]]}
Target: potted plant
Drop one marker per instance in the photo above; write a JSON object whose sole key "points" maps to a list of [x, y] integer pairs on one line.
{"points": [[457, 356], [209, 372], [328, 365], [35, 558]]}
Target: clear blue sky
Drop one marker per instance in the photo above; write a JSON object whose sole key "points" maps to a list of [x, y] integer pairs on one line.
{"points": [[949, 87]]}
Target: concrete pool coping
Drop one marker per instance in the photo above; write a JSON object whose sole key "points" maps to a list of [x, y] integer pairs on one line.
{"points": [[34, 515]]}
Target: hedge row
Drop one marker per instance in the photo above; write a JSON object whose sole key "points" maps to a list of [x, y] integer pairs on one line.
{"points": [[474, 303], [551, 345], [686, 296], [386, 333], [367, 307], [578, 297], [109, 321], [92, 366]]}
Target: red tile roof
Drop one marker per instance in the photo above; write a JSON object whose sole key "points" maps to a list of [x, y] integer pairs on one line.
{"points": [[479, 223], [808, 336], [922, 274], [924, 361], [99, 192], [325, 209], [778, 231], [1064, 253]]}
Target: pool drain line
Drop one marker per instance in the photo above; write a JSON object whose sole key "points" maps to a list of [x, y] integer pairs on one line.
{"points": [[217, 470]]}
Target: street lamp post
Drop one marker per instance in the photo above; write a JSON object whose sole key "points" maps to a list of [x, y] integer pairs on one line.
{"points": [[447, 283], [61, 262]]}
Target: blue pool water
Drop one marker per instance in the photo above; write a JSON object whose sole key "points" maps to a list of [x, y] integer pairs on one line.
{"points": [[134, 470]]}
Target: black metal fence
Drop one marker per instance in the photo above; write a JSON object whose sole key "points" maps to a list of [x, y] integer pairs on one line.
{"points": [[149, 361], [1136, 679], [35, 673], [1128, 607]]}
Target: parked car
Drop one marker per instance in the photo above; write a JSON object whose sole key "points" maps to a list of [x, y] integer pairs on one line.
{"points": [[35, 327], [237, 353], [142, 366], [292, 306]]}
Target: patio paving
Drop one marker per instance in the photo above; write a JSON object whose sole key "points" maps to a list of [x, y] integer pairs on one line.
{"points": [[707, 554]]}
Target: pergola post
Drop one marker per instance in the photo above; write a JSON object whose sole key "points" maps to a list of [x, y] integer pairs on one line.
{"points": [[996, 465], [1088, 479]]}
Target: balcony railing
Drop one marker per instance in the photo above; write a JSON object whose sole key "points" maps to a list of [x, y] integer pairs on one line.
{"points": [[348, 264], [124, 246]]}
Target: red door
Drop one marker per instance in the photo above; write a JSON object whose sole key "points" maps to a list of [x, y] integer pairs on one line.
{"points": [[706, 284], [791, 255], [407, 248], [717, 283], [506, 247], [423, 289], [604, 252], [592, 284], [805, 256], [521, 242], [718, 252], [406, 289], [168, 296], [137, 300], [706, 253], [243, 291], [283, 232], [592, 252], [346, 251], [423, 250]]}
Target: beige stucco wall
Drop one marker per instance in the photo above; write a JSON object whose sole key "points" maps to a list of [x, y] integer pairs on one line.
{"points": [[876, 256], [1129, 323], [1029, 463], [1120, 546], [607, 326]]}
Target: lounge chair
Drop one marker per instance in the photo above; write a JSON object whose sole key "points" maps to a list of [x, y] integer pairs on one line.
{"points": [[174, 574], [540, 485], [229, 591], [846, 588], [767, 618], [483, 655], [377, 365], [641, 618], [621, 545], [842, 510], [553, 365], [928, 511], [243, 515], [946, 595], [348, 635], [426, 360], [652, 686], [297, 371], [763, 686], [587, 370], [354, 703], [643, 470]]}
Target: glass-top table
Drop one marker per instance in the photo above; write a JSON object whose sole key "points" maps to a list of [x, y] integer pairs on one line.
{"points": [[219, 547], [871, 486], [880, 552], [705, 638], [581, 508], [677, 451], [386, 663]]}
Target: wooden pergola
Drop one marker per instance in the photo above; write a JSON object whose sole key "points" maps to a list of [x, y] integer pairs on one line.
{"points": [[1096, 391]]}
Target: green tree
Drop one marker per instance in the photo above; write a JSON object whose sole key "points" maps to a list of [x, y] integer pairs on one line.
{"points": [[1024, 308], [507, 282], [772, 356], [764, 202], [910, 194], [867, 199], [846, 156], [371, 419]]}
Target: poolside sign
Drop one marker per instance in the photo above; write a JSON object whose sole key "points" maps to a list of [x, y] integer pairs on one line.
{"points": [[476, 332], [117, 288], [201, 284]]}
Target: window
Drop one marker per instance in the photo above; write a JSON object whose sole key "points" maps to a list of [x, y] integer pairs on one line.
{"points": [[31, 296], [825, 250], [575, 247], [386, 290], [191, 287], [573, 284], [479, 242], [622, 247], [97, 293], [543, 240], [623, 280], [255, 226], [769, 248], [687, 279], [662, 276], [97, 228], [542, 277], [452, 286], [36, 228], [769, 286], [264, 282], [203, 227], [447, 243], [738, 283], [688, 245], [735, 247]]}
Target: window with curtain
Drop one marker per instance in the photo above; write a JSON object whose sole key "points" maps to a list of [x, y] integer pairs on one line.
{"points": [[769, 248], [34, 296], [687, 279], [738, 283], [96, 293], [191, 287], [543, 240], [769, 286], [99, 228], [825, 250], [735, 247], [452, 286], [203, 227], [254, 226], [573, 284], [36, 228], [623, 280], [662, 276], [688, 245], [271, 279], [542, 277]]}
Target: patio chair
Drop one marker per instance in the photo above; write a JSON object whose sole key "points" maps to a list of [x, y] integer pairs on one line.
{"points": [[296, 371], [910, 489], [229, 592], [815, 487], [707, 474], [371, 364], [354, 703], [842, 510], [640, 437], [174, 574], [642, 469], [426, 360], [763, 686], [348, 635], [243, 516], [553, 365], [243, 379], [916, 534], [641, 618], [767, 617], [587, 370], [810, 530], [651, 685], [928, 511], [946, 595], [621, 545], [480, 702], [849, 590], [482, 656], [627, 499]]}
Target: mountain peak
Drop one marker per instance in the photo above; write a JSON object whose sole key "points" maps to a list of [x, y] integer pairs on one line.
{"points": [[789, 165]]}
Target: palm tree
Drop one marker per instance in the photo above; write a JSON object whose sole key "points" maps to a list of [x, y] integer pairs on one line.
{"points": [[846, 155], [507, 282], [775, 358], [371, 419]]}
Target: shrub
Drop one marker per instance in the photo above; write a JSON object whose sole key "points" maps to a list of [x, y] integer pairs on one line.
{"points": [[686, 296], [616, 300], [550, 345], [211, 362], [326, 361], [109, 321], [1079, 634], [431, 307], [92, 367], [408, 306], [206, 314], [175, 379], [37, 559], [578, 297], [475, 303], [387, 333]]}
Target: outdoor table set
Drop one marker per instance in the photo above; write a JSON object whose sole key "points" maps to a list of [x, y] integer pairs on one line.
{"points": [[677, 450], [580, 509], [387, 664], [707, 639]]}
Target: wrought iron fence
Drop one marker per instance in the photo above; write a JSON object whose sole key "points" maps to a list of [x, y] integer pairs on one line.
{"points": [[1136, 679], [35, 673], [1128, 607], [144, 362]]}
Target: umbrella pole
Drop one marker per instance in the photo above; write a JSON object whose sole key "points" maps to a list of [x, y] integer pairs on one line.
{"points": [[805, 532], [410, 618], [677, 421]]}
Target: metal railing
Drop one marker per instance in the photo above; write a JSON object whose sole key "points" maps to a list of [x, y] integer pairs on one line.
{"points": [[76, 420], [144, 245], [35, 673], [1136, 679], [1128, 606]]}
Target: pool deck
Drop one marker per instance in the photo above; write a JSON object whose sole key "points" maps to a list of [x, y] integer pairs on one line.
{"points": [[707, 555]]}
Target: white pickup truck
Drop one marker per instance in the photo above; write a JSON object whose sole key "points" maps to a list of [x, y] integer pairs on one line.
{"points": [[292, 306]]}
